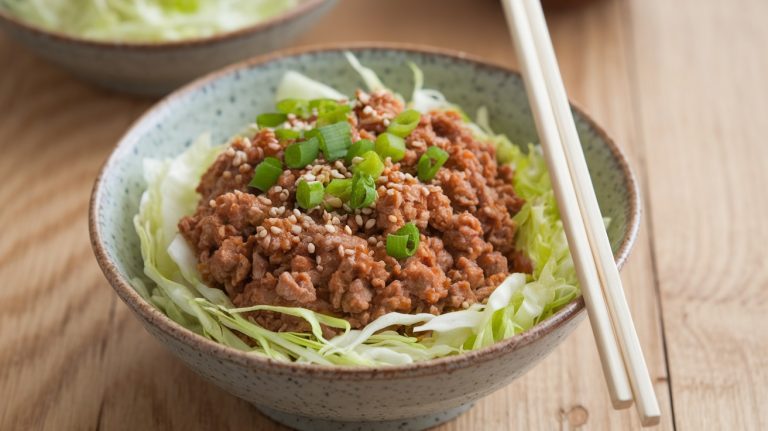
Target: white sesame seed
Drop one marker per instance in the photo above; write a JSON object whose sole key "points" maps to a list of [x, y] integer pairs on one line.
{"points": [[367, 211], [341, 250], [309, 177], [318, 259], [330, 228], [386, 122], [335, 220], [334, 202], [316, 169], [281, 210], [336, 174], [349, 252], [230, 152], [311, 247], [392, 218], [372, 240], [370, 223], [465, 304], [390, 192], [273, 212], [277, 189], [356, 160], [380, 244], [212, 203], [339, 164], [320, 268], [293, 218], [296, 212], [274, 147], [359, 220], [262, 233], [296, 229], [346, 207], [368, 110], [348, 229], [275, 230]]}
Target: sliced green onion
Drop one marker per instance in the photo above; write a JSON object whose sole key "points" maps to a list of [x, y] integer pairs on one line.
{"points": [[363, 192], [266, 173], [335, 139], [287, 134], [309, 194], [404, 123], [271, 119], [389, 145], [358, 149], [341, 188], [301, 154], [371, 164], [431, 162], [404, 242], [329, 111], [299, 107]]}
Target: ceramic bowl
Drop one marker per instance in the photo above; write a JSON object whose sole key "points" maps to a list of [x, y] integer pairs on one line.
{"points": [[156, 68], [310, 397]]}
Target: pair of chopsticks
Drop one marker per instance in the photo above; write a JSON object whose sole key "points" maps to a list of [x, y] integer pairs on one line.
{"points": [[617, 342]]}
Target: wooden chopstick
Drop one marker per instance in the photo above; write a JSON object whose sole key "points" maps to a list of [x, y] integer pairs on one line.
{"points": [[586, 271], [640, 380]]}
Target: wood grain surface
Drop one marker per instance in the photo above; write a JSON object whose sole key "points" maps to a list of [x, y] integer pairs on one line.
{"points": [[681, 86]]}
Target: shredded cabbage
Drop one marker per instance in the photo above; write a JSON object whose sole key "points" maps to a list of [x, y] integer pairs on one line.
{"points": [[145, 20], [517, 304]]}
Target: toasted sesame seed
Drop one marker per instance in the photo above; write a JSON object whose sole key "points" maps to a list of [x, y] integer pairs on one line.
{"points": [[318, 259], [293, 218], [212, 203], [335, 220], [336, 174], [238, 178], [359, 220], [367, 211], [380, 244], [330, 228], [390, 192], [227, 174], [465, 304], [334, 202], [316, 169], [346, 207], [320, 268], [275, 230], [274, 147], [296, 229], [230, 152], [311, 247], [348, 229], [370, 223], [392, 218], [339, 164], [372, 240]]}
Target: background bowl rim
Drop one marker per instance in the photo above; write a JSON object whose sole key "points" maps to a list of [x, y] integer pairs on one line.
{"points": [[429, 367], [302, 8]]}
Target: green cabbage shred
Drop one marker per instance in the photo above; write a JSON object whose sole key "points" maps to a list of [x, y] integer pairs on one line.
{"points": [[144, 20], [520, 302]]}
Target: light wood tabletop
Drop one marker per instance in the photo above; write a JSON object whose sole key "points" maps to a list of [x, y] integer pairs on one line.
{"points": [[681, 86]]}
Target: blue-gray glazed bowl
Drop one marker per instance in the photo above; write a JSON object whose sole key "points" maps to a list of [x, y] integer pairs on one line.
{"points": [[310, 397]]}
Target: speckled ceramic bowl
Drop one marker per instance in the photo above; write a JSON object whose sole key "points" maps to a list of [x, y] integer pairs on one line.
{"points": [[310, 397], [157, 68]]}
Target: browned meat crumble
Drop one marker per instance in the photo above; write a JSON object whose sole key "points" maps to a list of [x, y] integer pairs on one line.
{"points": [[262, 249]]}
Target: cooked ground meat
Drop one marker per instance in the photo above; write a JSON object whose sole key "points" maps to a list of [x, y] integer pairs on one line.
{"points": [[262, 249]]}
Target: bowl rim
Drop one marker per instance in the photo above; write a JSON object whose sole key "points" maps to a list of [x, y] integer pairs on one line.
{"points": [[161, 322], [302, 8]]}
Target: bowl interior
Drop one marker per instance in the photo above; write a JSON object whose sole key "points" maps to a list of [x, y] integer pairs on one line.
{"points": [[223, 105]]}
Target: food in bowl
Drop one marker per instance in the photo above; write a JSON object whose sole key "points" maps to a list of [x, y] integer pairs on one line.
{"points": [[355, 231], [145, 21]]}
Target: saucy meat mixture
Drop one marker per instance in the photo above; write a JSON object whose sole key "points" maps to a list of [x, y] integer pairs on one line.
{"points": [[262, 247]]}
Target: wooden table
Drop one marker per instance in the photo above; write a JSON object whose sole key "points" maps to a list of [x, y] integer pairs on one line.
{"points": [[682, 87]]}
